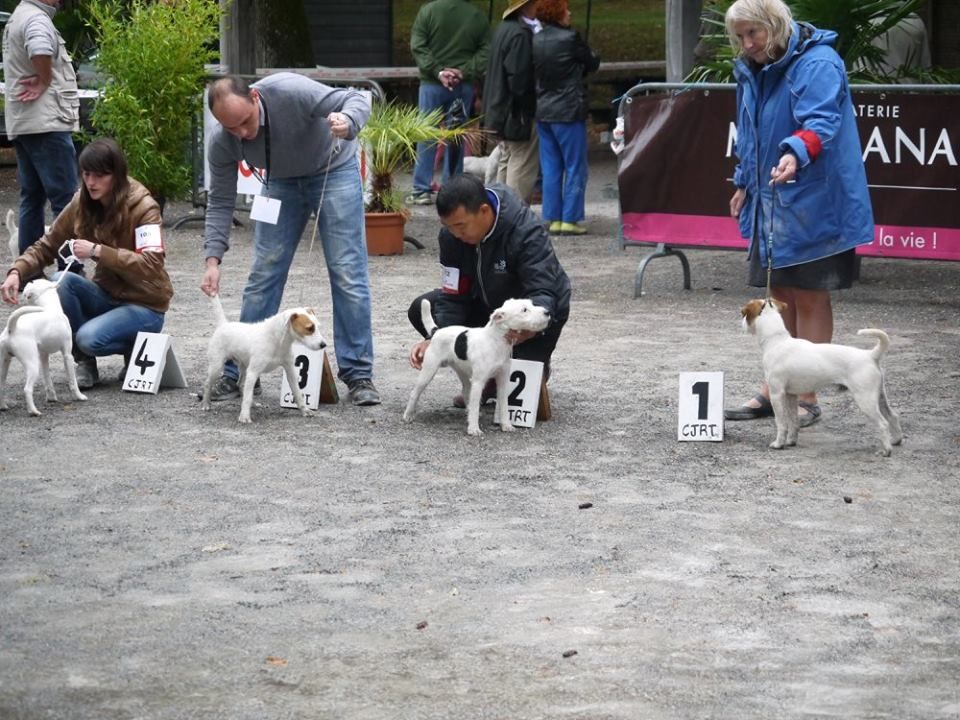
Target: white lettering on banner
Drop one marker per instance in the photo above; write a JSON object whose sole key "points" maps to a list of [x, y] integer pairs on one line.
{"points": [[731, 138], [910, 241], [877, 111], [875, 144]]}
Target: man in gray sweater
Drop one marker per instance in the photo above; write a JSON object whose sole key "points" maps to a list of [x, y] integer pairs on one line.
{"points": [[300, 135]]}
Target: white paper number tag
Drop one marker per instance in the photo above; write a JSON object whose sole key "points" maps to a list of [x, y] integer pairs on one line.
{"points": [[265, 209], [450, 278], [523, 398], [701, 406], [148, 238], [308, 368], [153, 365]]}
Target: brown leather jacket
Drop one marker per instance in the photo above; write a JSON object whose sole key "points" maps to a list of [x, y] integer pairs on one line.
{"points": [[128, 276]]}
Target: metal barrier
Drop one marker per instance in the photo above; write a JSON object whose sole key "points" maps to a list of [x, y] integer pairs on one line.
{"points": [[678, 156]]}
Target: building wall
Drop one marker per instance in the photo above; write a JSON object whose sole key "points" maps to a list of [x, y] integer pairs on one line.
{"points": [[351, 34]]}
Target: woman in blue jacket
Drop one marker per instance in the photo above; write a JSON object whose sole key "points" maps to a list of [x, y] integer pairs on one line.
{"points": [[801, 197]]}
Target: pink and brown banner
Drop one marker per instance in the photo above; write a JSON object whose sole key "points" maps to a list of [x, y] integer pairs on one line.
{"points": [[676, 167]]}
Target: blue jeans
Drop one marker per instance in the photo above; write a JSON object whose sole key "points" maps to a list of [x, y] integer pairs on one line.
{"points": [[344, 242], [102, 325], [433, 96], [46, 169], [563, 162]]}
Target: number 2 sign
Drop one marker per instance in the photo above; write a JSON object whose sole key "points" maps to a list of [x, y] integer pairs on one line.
{"points": [[701, 406]]}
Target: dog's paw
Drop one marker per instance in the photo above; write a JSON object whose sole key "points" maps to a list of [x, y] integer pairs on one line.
{"points": [[80, 396], [885, 452], [475, 432], [408, 417], [245, 419], [35, 412], [306, 412], [507, 427], [776, 445]]}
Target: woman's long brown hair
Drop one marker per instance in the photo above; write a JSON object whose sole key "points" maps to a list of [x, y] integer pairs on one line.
{"points": [[104, 218]]}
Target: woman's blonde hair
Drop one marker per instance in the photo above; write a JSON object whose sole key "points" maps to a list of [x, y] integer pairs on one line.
{"points": [[773, 15]]}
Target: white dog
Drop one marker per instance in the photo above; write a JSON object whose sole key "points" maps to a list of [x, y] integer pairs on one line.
{"points": [[31, 335], [476, 355], [792, 367], [260, 347], [13, 234]]}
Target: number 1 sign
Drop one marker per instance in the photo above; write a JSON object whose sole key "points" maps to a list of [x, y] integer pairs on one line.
{"points": [[701, 406]]}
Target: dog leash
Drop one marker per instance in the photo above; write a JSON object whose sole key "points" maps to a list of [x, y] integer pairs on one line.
{"points": [[773, 210], [316, 220]]}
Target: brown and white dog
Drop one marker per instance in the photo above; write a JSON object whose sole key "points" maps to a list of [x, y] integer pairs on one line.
{"points": [[792, 367], [260, 347]]}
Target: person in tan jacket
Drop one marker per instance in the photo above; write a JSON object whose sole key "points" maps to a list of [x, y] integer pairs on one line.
{"points": [[114, 222]]}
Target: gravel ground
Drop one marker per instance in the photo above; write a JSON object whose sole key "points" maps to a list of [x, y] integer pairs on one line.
{"points": [[160, 562]]}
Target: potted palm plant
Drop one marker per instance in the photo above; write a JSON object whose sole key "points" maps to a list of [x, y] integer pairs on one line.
{"points": [[389, 140]]}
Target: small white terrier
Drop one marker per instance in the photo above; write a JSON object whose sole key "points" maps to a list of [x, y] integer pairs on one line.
{"points": [[476, 355], [793, 366], [260, 347], [13, 234], [31, 335]]}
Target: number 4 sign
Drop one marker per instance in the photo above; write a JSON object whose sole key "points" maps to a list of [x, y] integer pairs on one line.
{"points": [[152, 365], [701, 406]]}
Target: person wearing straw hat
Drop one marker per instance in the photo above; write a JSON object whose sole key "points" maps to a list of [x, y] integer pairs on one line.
{"points": [[510, 97]]}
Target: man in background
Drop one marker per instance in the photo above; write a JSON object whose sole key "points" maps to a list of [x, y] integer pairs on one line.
{"points": [[42, 111], [449, 41], [510, 97]]}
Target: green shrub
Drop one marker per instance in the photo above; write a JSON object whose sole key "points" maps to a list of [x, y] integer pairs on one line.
{"points": [[152, 55]]}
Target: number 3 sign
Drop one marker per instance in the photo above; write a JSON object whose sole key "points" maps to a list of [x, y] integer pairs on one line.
{"points": [[701, 406]]}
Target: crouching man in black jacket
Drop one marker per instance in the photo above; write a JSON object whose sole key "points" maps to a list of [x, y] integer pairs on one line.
{"points": [[493, 248]]}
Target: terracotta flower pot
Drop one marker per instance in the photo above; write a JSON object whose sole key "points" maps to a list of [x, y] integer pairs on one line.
{"points": [[385, 233]]}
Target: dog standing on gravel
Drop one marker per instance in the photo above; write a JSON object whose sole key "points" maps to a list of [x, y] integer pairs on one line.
{"points": [[260, 347], [32, 333], [476, 355], [792, 366]]}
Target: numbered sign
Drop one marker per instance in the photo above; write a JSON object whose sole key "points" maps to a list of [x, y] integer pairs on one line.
{"points": [[701, 406], [523, 400], [153, 365], [314, 378]]}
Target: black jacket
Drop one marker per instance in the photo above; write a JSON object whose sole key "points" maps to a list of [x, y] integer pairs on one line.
{"points": [[509, 95], [561, 58], [515, 261]]}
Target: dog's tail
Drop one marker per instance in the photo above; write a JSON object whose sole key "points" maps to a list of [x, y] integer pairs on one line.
{"points": [[427, 318], [15, 316], [218, 313], [10, 221], [883, 342]]}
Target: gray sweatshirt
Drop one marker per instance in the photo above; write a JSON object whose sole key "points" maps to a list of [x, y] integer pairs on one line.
{"points": [[300, 144]]}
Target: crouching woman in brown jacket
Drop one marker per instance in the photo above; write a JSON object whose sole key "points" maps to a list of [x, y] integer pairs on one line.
{"points": [[113, 221]]}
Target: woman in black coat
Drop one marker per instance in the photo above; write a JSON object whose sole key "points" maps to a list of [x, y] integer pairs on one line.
{"points": [[561, 59]]}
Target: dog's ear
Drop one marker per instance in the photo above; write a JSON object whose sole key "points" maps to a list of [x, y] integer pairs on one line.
{"points": [[780, 306], [497, 316]]}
